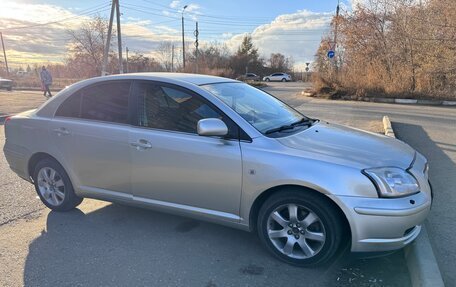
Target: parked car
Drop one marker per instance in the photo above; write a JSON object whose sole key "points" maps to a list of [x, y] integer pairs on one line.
{"points": [[248, 77], [6, 84], [220, 150], [277, 77]]}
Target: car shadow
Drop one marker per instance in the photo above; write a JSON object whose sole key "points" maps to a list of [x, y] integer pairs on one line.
{"points": [[118, 245], [442, 173]]}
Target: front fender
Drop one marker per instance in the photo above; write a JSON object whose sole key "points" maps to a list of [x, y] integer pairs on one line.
{"points": [[264, 169]]}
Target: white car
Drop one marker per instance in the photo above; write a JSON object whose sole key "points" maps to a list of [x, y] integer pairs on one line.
{"points": [[278, 77]]}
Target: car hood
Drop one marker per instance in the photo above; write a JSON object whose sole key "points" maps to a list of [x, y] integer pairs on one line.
{"points": [[348, 146]]}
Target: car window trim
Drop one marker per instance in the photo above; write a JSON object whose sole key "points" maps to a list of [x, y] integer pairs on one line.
{"points": [[183, 133], [92, 121], [191, 92]]}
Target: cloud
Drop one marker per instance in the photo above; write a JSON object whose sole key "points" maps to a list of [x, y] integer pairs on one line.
{"points": [[37, 33], [175, 4], [295, 34], [192, 9]]}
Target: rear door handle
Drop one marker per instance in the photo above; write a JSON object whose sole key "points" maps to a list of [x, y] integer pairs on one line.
{"points": [[141, 144], [62, 131]]}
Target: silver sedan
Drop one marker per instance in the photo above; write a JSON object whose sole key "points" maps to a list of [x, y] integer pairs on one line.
{"points": [[220, 150]]}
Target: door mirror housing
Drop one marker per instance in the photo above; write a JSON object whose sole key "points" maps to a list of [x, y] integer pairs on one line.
{"points": [[212, 127]]}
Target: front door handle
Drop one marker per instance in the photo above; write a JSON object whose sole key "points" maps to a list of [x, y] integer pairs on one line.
{"points": [[62, 131], [141, 144]]}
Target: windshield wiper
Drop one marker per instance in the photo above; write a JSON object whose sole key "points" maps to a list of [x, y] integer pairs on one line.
{"points": [[303, 121], [279, 129]]}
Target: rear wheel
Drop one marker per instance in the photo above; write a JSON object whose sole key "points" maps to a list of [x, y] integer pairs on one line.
{"points": [[300, 228], [54, 186]]}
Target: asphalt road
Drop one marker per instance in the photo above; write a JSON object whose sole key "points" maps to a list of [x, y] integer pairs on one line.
{"points": [[429, 129], [108, 244]]}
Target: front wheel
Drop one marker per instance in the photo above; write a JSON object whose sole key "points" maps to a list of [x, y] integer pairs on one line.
{"points": [[300, 228], [284, 80], [267, 80], [54, 186]]}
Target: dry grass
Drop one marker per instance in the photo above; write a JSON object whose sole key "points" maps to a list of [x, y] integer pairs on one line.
{"points": [[35, 83]]}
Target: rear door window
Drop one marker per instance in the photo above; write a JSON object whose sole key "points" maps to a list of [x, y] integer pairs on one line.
{"points": [[106, 102], [71, 107]]}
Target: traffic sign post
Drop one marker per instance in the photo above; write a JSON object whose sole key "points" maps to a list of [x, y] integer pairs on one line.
{"points": [[307, 71]]}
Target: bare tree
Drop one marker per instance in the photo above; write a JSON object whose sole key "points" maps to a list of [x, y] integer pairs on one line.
{"points": [[85, 53], [165, 56], [394, 46]]}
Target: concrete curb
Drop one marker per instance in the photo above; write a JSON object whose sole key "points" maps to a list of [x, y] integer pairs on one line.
{"points": [[387, 127], [421, 263], [392, 100]]}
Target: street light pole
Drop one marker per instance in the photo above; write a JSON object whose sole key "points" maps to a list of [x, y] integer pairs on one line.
{"points": [[183, 38]]}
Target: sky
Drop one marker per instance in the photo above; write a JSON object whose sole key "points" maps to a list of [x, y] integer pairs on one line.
{"points": [[35, 31]]}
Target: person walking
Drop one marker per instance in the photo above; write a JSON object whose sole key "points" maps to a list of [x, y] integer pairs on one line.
{"points": [[46, 81]]}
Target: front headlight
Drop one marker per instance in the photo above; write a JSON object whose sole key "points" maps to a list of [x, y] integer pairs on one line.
{"points": [[393, 181]]}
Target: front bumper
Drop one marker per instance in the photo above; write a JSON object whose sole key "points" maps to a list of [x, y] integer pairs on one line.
{"points": [[385, 224]]}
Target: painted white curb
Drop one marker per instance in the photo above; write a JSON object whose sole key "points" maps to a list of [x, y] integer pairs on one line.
{"points": [[449, 103], [421, 263], [387, 127], [405, 101]]}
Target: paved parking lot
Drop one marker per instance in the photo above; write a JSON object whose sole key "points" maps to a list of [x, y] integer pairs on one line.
{"points": [[109, 244]]}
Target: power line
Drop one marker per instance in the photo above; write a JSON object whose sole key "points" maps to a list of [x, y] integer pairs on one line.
{"points": [[85, 12], [205, 15], [242, 21]]}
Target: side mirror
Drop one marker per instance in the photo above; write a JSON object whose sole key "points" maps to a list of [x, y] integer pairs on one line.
{"points": [[212, 127]]}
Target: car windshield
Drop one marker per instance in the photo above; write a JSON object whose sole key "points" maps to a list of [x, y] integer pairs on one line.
{"points": [[260, 109]]}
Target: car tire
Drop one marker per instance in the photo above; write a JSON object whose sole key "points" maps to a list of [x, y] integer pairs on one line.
{"points": [[295, 241], [9, 89], [54, 186], [284, 80], [267, 80]]}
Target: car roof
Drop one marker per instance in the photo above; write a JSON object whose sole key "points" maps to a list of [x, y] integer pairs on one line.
{"points": [[195, 79]]}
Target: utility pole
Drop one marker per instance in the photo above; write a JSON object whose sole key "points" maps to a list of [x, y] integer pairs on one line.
{"points": [[119, 37], [126, 57], [108, 40], [183, 38], [172, 58], [4, 54], [196, 45]]}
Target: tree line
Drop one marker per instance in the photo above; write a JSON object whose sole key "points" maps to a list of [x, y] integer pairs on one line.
{"points": [[391, 47], [85, 53]]}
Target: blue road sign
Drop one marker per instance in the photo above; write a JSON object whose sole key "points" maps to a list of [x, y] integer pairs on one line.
{"points": [[331, 54]]}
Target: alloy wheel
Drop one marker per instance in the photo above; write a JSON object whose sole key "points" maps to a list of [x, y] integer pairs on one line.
{"points": [[296, 231], [51, 186]]}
